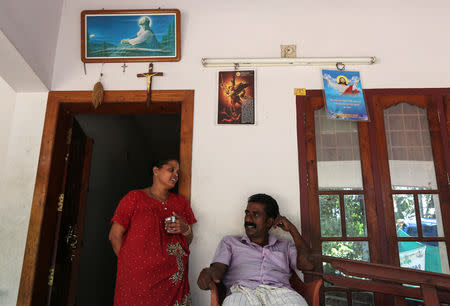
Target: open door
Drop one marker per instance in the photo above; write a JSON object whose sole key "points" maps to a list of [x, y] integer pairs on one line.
{"points": [[40, 244], [70, 216]]}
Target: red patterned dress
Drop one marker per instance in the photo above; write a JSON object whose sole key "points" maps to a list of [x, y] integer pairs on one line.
{"points": [[152, 265]]}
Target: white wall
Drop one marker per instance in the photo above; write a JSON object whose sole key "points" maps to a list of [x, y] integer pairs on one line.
{"points": [[232, 162], [16, 188], [8, 98], [15, 70]]}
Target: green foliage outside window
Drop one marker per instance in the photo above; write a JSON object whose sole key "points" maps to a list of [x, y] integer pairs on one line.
{"points": [[330, 221]]}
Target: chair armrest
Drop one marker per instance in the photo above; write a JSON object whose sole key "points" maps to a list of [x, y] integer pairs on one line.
{"points": [[214, 295], [312, 291]]}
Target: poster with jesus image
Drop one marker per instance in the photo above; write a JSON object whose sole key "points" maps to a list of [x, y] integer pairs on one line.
{"points": [[344, 95], [236, 97]]}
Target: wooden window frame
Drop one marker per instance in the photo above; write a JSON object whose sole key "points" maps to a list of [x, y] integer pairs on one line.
{"points": [[440, 102]]}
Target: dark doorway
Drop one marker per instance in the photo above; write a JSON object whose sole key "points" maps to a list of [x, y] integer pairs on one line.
{"points": [[124, 148], [40, 276]]}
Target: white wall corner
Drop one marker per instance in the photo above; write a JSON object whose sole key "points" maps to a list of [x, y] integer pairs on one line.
{"points": [[17, 187], [16, 71]]}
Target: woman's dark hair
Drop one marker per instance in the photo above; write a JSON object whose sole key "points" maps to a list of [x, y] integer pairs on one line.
{"points": [[271, 205], [158, 163], [163, 161]]}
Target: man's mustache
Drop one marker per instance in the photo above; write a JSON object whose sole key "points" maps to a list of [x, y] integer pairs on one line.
{"points": [[249, 224]]}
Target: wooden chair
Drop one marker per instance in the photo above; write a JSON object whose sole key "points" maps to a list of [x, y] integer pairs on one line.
{"points": [[310, 291]]}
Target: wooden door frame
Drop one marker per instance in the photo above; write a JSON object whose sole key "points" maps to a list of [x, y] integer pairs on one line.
{"points": [[79, 102]]}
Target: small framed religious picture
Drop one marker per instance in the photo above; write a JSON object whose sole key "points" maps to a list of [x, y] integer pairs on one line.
{"points": [[130, 36], [236, 97], [344, 95]]}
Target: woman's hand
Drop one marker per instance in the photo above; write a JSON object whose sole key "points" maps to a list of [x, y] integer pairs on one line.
{"points": [[177, 227]]}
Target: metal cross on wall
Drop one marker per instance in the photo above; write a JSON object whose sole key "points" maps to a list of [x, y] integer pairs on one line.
{"points": [[149, 76]]}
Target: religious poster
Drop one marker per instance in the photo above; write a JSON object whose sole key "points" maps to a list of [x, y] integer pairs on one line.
{"points": [[343, 95], [130, 36], [236, 97]]}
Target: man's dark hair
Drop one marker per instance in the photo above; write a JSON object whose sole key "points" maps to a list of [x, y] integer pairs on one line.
{"points": [[270, 204]]}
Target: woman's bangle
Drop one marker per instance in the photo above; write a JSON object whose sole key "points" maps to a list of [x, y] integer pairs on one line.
{"points": [[188, 231]]}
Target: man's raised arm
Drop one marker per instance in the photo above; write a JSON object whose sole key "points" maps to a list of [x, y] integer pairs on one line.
{"points": [[303, 251]]}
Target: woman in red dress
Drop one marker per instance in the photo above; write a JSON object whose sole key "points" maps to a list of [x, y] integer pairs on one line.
{"points": [[152, 251]]}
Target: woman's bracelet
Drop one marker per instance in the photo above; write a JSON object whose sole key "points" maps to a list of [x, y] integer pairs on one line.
{"points": [[188, 231]]}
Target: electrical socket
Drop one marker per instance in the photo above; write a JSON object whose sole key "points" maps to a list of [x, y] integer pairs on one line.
{"points": [[288, 51]]}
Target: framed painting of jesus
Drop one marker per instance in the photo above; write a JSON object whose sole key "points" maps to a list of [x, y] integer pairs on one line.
{"points": [[130, 36]]}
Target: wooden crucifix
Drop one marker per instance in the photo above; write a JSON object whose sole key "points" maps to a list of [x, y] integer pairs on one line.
{"points": [[149, 76]]}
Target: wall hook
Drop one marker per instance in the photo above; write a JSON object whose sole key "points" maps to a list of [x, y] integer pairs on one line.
{"points": [[340, 66]]}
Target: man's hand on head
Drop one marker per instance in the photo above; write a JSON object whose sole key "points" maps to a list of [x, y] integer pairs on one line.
{"points": [[283, 223]]}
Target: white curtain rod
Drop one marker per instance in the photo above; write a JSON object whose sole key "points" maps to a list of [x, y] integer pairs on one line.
{"points": [[278, 61]]}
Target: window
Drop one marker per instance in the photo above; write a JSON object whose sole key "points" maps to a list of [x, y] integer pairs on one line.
{"points": [[376, 191]]}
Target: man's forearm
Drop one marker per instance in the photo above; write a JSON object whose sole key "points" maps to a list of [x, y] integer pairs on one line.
{"points": [[298, 239], [218, 270], [213, 274], [303, 250]]}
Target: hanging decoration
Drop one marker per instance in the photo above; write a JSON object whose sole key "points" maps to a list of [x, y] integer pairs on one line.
{"points": [[149, 75], [97, 92], [344, 95]]}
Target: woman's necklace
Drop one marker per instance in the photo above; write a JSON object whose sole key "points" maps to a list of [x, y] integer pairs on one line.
{"points": [[160, 199]]}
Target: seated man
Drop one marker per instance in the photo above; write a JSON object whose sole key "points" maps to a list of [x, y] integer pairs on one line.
{"points": [[256, 268]]}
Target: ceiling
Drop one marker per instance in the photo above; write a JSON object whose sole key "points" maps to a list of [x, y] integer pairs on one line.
{"points": [[28, 39]]}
